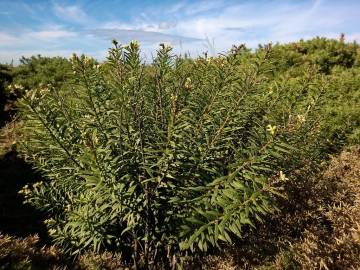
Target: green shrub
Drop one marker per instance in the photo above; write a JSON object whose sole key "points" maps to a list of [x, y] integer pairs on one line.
{"points": [[323, 52], [33, 72], [41, 70], [179, 155], [37, 71]]}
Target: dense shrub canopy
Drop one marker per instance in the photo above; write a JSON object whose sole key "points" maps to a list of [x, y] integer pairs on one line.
{"points": [[31, 73], [181, 154]]}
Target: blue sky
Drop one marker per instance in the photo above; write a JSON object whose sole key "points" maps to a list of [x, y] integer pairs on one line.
{"points": [[87, 26]]}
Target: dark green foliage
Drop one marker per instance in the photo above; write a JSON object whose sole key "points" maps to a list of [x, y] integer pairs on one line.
{"points": [[322, 52], [182, 154], [6, 77], [36, 71], [40, 70]]}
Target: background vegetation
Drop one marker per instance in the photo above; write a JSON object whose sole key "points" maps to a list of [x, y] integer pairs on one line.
{"points": [[166, 162]]}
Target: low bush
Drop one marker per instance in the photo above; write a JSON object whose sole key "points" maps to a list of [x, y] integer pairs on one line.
{"points": [[157, 161]]}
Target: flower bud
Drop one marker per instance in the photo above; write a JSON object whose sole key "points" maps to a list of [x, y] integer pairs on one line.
{"points": [[188, 84]]}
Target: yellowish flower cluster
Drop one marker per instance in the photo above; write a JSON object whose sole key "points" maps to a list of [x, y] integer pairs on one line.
{"points": [[174, 102], [25, 190], [188, 84], [52, 232], [49, 221], [271, 129], [15, 88], [282, 176], [37, 184], [68, 208], [87, 59], [134, 44], [166, 45], [95, 139], [301, 118]]}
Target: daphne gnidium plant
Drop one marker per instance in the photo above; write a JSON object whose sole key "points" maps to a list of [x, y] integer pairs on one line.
{"points": [[158, 159]]}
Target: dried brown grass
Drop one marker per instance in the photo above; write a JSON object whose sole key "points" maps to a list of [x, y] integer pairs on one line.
{"points": [[25, 253], [318, 226], [8, 137], [336, 245]]}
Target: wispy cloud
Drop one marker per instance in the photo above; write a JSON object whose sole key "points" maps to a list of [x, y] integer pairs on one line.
{"points": [[167, 25], [87, 26], [7, 39], [201, 7], [72, 13], [52, 35], [125, 35], [175, 8], [253, 23], [30, 37], [8, 56]]}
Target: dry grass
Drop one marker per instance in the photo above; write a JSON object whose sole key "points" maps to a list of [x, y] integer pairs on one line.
{"points": [[336, 245], [8, 137], [318, 226], [25, 253], [106, 260]]}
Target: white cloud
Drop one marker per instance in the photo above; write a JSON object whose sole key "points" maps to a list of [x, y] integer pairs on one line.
{"points": [[167, 24], [202, 7], [8, 56], [51, 35], [70, 13], [176, 7], [125, 35], [31, 37], [7, 39], [250, 23], [353, 37], [142, 29], [253, 23], [187, 25]]}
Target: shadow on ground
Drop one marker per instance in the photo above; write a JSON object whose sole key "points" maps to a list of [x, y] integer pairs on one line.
{"points": [[16, 218]]}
